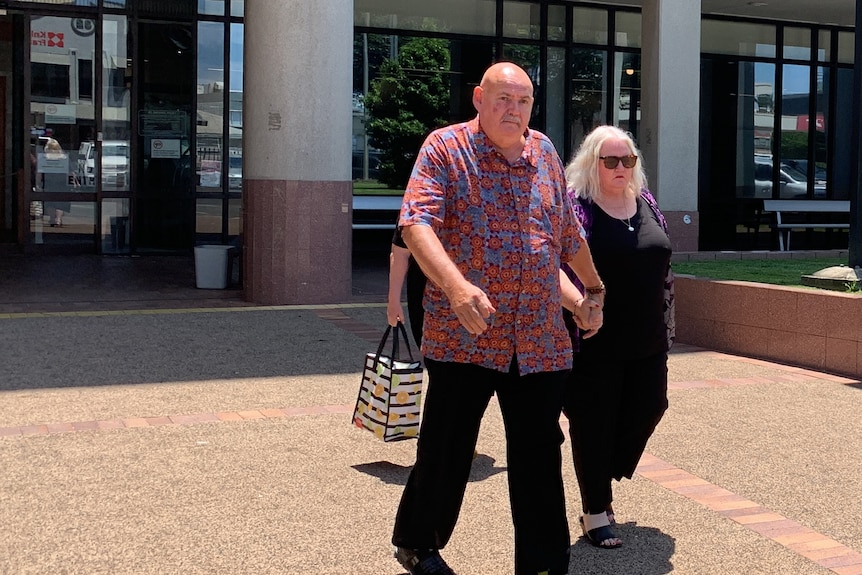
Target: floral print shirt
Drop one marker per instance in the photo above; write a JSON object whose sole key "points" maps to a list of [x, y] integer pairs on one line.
{"points": [[507, 226]]}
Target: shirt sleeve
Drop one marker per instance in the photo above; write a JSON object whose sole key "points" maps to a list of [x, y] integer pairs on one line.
{"points": [[424, 198]]}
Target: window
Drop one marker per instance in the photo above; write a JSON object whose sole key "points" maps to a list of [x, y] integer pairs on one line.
{"points": [[49, 82], [85, 79]]}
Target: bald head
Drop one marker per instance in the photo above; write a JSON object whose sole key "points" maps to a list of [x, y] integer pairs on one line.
{"points": [[506, 73], [504, 100]]}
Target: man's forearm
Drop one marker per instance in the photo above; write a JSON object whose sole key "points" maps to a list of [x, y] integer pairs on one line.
{"points": [[583, 266], [432, 257]]}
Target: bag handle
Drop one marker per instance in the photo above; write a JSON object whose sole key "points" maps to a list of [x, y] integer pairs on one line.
{"points": [[395, 354]]}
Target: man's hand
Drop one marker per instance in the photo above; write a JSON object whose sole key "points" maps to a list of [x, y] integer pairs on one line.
{"points": [[472, 306], [588, 316]]}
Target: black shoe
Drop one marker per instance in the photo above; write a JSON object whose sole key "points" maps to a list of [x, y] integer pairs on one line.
{"points": [[422, 562]]}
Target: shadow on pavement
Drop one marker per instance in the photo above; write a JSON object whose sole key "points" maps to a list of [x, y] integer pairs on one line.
{"points": [[394, 474], [645, 551]]}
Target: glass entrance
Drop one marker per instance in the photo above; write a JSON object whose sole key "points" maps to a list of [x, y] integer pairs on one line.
{"points": [[62, 207], [164, 211]]}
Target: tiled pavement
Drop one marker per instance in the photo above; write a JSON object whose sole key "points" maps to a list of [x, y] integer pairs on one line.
{"points": [[216, 439]]}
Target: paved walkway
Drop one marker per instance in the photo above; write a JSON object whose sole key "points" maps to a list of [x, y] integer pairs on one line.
{"points": [[205, 435]]}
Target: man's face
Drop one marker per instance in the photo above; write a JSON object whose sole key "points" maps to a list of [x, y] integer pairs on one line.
{"points": [[504, 105]]}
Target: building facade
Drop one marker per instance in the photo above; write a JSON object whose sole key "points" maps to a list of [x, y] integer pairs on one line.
{"points": [[189, 122]]}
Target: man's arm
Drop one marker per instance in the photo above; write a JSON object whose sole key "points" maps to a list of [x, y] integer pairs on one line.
{"points": [[587, 313], [469, 303], [583, 266]]}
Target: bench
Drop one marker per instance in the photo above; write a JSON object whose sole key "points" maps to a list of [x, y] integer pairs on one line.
{"points": [[376, 212], [787, 214]]}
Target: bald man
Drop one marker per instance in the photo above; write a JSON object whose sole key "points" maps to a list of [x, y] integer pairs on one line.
{"points": [[486, 216]]}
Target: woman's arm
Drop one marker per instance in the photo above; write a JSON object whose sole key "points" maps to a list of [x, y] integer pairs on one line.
{"points": [[399, 259]]}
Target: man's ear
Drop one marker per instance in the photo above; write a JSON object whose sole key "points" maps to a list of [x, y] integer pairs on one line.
{"points": [[477, 97]]}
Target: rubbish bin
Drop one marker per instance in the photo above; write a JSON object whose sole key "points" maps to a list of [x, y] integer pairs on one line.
{"points": [[211, 266]]}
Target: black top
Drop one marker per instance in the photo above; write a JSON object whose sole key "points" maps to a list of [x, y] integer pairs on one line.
{"points": [[633, 266]]}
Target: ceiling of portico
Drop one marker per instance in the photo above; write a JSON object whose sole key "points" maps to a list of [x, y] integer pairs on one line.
{"points": [[840, 12]]}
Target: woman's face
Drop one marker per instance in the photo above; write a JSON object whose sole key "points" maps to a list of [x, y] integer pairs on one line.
{"points": [[616, 180]]}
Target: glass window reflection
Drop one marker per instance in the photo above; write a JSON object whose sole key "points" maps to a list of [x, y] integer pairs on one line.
{"points": [[589, 94], [214, 7], [116, 112], [795, 121], [628, 29], [556, 22], [62, 113], [72, 223], [738, 38], [627, 92], [590, 26], [235, 99], [115, 226], [522, 20], [237, 8], [210, 113], [452, 16]]}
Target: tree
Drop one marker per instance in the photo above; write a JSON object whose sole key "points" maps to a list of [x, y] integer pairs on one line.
{"points": [[405, 102]]}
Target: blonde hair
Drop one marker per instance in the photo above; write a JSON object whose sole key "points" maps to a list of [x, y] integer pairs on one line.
{"points": [[582, 173], [53, 145]]}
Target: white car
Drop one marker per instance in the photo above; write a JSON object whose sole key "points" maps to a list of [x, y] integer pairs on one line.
{"points": [[115, 164], [794, 183]]}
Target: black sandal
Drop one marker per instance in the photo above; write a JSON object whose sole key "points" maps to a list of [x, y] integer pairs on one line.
{"points": [[601, 537]]}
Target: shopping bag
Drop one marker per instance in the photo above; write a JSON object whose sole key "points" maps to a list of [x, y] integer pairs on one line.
{"points": [[390, 395]]}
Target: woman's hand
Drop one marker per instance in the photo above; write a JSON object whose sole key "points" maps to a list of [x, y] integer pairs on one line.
{"points": [[394, 313], [588, 316]]}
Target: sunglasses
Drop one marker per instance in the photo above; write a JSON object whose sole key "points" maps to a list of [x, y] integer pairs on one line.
{"points": [[611, 162]]}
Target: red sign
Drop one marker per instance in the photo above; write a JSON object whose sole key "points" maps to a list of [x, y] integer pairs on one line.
{"points": [[47, 39], [802, 123]]}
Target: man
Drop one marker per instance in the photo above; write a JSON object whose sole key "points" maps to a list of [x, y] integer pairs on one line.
{"points": [[486, 216]]}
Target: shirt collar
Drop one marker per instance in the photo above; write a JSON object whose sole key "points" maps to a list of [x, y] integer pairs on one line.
{"points": [[484, 146]]}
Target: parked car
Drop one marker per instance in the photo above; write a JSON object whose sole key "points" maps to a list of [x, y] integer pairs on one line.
{"points": [[115, 164], [793, 182], [802, 166], [234, 172]]}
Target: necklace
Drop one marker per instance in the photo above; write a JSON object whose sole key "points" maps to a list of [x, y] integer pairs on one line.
{"points": [[628, 222]]}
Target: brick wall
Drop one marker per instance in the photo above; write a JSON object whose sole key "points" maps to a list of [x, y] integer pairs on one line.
{"points": [[818, 329]]}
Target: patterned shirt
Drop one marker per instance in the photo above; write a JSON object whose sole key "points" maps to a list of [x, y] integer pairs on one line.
{"points": [[507, 226]]}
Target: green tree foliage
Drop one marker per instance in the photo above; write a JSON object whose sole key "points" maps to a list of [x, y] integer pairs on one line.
{"points": [[794, 145], [409, 99]]}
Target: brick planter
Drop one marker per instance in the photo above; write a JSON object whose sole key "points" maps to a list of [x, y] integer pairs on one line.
{"points": [[806, 327]]}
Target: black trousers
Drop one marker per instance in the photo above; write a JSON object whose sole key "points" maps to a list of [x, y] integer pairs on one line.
{"points": [[456, 398], [613, 407]]}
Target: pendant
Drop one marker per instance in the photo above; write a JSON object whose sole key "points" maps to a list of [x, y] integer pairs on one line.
{"points": [[631, 229]]}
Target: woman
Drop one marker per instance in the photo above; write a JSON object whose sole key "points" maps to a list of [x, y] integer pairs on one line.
{"points": [[617, 392], [57, 182]]}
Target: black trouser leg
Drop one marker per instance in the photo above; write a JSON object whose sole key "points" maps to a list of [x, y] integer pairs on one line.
{"points": [[613, 408], [642, 405], [456, 397], [531, 413], [592, 396]]}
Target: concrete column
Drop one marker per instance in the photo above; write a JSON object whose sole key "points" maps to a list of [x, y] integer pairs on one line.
{"points": [[298, 70], [670, 108]]}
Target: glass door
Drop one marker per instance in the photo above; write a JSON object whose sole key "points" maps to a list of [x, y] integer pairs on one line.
{"points": [[164, 214], [61, 201]]}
